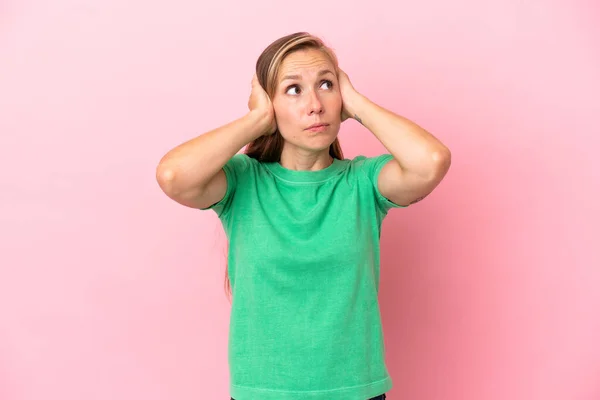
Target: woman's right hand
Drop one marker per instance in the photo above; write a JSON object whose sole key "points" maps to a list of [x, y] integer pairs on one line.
{"points": [[261, 103]]}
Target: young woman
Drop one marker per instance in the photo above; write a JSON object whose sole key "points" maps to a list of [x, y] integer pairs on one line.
{"points": [[303, 224]]}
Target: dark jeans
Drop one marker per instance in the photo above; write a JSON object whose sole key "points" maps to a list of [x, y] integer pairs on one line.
{"points": [[380, 397]]}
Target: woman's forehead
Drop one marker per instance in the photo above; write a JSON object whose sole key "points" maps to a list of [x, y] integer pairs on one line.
{"points": [[301, 63]]}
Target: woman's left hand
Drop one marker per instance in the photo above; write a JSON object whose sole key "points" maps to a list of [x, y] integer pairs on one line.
{"points": [[348, 94]]}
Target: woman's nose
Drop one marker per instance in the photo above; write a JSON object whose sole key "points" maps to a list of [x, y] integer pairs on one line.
{"points": [[315, 106]]}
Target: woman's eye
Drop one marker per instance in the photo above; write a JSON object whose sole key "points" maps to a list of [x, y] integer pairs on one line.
{"points": [[293, 88], [329, 84]]}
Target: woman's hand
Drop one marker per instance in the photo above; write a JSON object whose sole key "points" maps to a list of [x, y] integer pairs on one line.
{"points": [[349, 94], [260, 103]]}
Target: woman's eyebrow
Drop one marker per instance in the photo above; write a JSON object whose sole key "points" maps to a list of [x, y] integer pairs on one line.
{"points": [[294, 77]]}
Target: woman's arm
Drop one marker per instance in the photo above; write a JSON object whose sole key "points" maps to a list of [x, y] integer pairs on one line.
{"points": [[420, 160], [192, 173]]}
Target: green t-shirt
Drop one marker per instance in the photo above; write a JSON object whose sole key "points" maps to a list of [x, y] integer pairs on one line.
{"points": [[304, 270]]}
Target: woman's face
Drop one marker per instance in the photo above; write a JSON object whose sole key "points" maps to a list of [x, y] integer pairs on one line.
{"points": [[306, 94]]}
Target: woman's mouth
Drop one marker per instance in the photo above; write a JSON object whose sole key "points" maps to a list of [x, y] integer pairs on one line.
{"points": [[317, 127]]}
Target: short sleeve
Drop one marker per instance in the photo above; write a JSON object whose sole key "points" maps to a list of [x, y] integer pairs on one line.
{"points": [[372, 166], [234, 169]]}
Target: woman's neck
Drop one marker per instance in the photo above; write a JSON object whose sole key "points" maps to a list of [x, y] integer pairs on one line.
{"points": [[305, 161]]}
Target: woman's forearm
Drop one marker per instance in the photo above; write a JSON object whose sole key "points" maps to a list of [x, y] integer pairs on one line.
{"points": [[192, 165], [415, 149]]}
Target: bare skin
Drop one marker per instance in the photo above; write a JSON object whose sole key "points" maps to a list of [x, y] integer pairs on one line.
{"points": [[307, 93]]}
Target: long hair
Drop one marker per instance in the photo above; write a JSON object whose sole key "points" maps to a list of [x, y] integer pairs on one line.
{"points": [[268, 148]]}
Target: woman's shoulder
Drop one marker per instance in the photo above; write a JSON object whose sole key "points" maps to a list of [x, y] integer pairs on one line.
{"points": [[241, 162], [369, 162], [368, 165]]}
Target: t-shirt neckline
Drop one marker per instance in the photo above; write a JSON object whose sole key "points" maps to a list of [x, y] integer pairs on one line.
{"points": [[305, 176]]}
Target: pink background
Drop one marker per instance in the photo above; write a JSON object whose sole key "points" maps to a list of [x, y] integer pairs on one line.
{"points": [[109, 290]]}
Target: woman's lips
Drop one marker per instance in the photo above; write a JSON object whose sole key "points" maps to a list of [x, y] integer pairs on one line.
{"points": [[317, 127]]}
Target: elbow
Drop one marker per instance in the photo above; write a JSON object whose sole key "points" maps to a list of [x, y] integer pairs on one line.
{"points": [[442, 157], [441, 160], [166, 176]]}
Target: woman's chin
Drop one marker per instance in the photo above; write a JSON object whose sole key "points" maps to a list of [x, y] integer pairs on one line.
{"points": [[320, 142], [314, 141]]}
